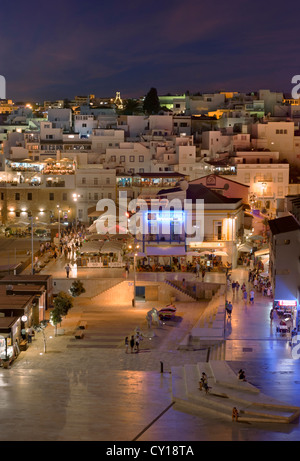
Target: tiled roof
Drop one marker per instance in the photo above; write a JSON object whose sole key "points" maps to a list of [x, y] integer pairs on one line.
{"points": [[284, 224]]}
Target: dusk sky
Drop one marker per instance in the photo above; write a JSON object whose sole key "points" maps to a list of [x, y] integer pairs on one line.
{"points": [[59, 49]]}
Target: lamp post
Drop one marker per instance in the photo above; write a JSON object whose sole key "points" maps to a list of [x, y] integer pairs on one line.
{"points": [[32, 263], [264, 187], [134, 272], [59, 210], [232, 238]]}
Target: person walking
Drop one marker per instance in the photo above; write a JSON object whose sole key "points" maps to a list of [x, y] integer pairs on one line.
{"points": [[251, 297], [197, 269], [29, 334], [229, 309], [235, 414], [132, 344], [245, 297], [126, 344], [67, 270], [203, 274], [127, 270], [137, 342]]}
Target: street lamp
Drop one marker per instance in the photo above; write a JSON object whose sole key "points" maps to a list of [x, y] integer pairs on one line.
{"points": [[135, 254], [232, 238], [32, 264], [59, 210], [264, 187]]}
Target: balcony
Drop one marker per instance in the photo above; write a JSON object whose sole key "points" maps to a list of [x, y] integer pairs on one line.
{"points": [[55, 183], [214, 238]]}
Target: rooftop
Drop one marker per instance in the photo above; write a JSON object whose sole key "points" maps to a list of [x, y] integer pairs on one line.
{"points": [[283, 225]]}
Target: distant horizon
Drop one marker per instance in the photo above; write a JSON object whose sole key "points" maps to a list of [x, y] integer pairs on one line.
{"points": [[286, 93]]}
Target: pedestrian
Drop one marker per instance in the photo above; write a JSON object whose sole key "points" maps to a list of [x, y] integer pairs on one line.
{"points": [[23, 333], [233, 285], [229, 309], [241, 375], [126, 344], [245, 296], [197, 270], [203, 381], [271, 314], [67, 270], [183, 284], [251, 296], [237, 286], [132, 343], [29, 334], [235, 414], [127, 270], [203, 274], [137, 342]]}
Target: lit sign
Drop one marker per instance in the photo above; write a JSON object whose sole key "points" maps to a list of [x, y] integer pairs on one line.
{"points": [[287, 303], [166, 216]]}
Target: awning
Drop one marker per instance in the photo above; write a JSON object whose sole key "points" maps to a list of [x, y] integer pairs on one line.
{"points": [[111, 247], [93, 246], [245, 248], [166, 251], [261, 252]]}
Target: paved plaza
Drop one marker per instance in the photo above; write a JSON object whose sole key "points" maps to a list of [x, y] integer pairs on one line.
{"points": [[90, 389]]}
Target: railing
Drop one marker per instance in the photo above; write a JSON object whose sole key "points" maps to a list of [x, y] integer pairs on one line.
{"points": [[55, 184]]}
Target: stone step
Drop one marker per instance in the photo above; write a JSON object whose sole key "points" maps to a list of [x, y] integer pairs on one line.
{"points": [[252, 407], [225, 376]]}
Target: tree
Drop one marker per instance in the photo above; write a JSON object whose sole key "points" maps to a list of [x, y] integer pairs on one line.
{"points": [[63, 303], [77, 288], [55, 318], [132, 106], [40, 328], [151, 102]]}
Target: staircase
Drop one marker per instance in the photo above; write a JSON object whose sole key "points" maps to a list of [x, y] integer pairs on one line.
{"points": [[226, 392], [182, 290], [113, 284]]}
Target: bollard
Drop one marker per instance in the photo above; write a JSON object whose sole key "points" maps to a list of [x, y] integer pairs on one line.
{"points": [[161, 367]]}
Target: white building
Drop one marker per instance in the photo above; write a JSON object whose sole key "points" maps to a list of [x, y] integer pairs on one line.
{"points": [[284, 263], [268, 182], [85, 124]]}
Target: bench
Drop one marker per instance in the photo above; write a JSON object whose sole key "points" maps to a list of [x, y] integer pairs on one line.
{"points": [[23, 346], [79, 334], [82, 325]]}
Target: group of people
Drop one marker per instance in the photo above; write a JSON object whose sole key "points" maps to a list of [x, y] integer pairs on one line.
{"points": [[228, 308], [203, 383], [133, 343], [260, 284]]}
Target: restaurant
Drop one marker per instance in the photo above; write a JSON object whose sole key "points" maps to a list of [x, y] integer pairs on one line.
{"points": [[10, 332]]}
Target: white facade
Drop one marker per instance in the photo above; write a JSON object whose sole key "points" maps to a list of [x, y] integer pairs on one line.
{"points": [[85, 124], [60, 118], [267, 182], [104, 139]]}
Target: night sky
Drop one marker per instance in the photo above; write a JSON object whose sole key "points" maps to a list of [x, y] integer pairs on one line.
{"points": [[59, 49]]}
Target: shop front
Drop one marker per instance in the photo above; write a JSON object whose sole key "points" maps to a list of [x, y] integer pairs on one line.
{"points": [[214, 256], [101, 254], [288, 310], [10, 332], [165, 258]]}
